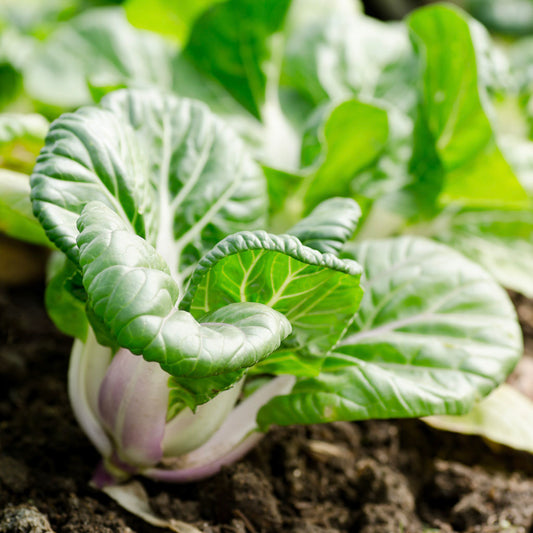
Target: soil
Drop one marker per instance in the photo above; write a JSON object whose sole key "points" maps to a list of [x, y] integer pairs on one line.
{"points": [[370, 477]]}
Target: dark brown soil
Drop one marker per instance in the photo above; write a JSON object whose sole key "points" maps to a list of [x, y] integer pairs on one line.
{"points": [[372, 477]]}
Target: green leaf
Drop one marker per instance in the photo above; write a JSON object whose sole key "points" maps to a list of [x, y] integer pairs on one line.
{"points": [[15, 50], [354, 135], [341, 55], [505, 417], [21, 138], [130, 290], [453, 106], [329, 225], [190, 82], [191, 392], [10, 83], [338, 149], [172, 18], [318, 293], [16, 217], [500, 241], [281, 185], [15, 126], [487, 180], [230, 42], [305, 13], [65, 309], [289, 362], [98, 48], [434, 333], [519, 153], [177, 174], [33, 17], [520, 57]]}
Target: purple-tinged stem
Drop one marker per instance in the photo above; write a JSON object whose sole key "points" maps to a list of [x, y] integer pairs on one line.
{"points": [[104, 476], [184, 475], [132, 404], [88, 364], [236, 437]]}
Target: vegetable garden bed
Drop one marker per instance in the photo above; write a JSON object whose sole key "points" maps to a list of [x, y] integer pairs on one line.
{"points": [[256, 218], [369, 477]]}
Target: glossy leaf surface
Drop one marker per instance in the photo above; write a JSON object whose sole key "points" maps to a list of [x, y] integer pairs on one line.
{"points": [[130, 290], [434, 334], [167, 166], [329, 225], [318, 293]]}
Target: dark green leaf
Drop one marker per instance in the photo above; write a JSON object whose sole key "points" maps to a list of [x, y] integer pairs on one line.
{"points": [[130, 290], [231, 43]]}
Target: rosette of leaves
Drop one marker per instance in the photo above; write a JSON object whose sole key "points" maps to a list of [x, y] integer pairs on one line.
{"points": [[197, 329]]}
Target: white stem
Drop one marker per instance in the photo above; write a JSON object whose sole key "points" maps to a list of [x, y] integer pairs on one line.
{"points": [[88, 364], [188, 431], [281, 143], [237, 435]]}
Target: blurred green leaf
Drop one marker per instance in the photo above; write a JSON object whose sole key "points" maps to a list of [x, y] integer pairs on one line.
{"points": [[232, 43], [453, 103], [172, 18], [504, 417]]}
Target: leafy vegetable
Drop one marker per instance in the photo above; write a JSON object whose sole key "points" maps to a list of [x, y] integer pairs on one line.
{"points": [[177, 174], [21, 138], [512, 16], [168, 17], [434, 333], [222, 34], [501, 241], [348, 149], [155, 203], [343, 54], [317, 293], [233, 338], [198, 326], [16, 217], [66, 307]]}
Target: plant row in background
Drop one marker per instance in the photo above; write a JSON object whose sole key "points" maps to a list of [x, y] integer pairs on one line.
{"points": [[292, 212]]}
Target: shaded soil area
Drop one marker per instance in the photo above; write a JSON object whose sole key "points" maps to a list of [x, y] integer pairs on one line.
{"points": [[371, 477]]}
